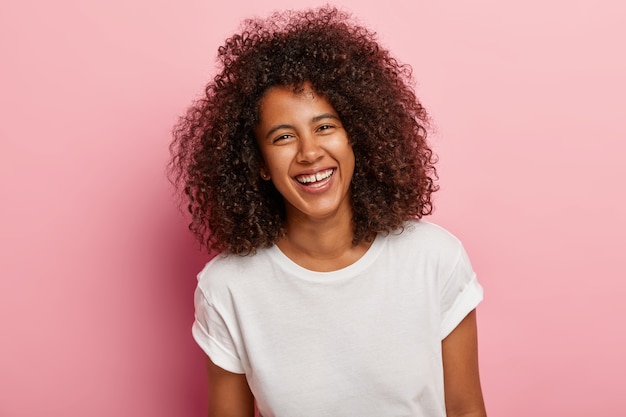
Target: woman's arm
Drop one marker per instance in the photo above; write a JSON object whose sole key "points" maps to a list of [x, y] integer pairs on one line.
{"points": [[463, 394], [229, 393]]}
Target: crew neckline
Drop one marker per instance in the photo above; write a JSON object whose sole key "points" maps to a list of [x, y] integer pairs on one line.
{"points": [[355, 268]]}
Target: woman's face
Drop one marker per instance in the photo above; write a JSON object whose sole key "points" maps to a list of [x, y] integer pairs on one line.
{"points": [[306, 152]]}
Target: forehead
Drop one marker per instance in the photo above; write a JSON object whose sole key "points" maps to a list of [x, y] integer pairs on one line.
{"points": [[279, 93], [289, 101]]}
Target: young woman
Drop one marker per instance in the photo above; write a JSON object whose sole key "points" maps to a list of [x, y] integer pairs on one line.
{"points": [[307, 170]]}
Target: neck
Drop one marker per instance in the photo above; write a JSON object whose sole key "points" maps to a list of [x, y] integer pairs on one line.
{"points": [[324, 245]]}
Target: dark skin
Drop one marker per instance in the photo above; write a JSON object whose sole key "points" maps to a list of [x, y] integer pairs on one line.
{"points": [[463, 394], [229, 393]]}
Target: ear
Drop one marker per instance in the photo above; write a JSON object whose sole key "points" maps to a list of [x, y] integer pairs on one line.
{"points": [[264, 174]]}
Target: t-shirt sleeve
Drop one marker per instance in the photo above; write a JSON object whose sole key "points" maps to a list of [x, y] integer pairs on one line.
{"points": [[460, 293], [211, 333]]}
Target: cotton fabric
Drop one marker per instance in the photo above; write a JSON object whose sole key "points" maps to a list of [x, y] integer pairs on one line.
{"points": [[361, 341]]}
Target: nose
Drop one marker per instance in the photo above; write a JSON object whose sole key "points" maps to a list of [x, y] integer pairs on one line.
{"points": [[309, 149]]}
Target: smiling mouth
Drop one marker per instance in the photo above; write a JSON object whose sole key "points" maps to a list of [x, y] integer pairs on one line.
{"points": [[316, 180]]}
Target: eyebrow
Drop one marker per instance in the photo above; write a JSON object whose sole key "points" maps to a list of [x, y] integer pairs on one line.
{"points": [[313, 120]]}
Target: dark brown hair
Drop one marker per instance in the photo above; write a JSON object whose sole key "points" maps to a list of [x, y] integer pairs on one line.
{"points": [[216, 159]]}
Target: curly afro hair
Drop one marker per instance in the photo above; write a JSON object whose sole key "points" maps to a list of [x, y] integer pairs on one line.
{"points": [[216, 159]]}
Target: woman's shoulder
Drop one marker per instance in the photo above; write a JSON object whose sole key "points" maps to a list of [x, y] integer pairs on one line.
{"points": [[227, 269], [420, 240], [424, 233], [423, 242]]}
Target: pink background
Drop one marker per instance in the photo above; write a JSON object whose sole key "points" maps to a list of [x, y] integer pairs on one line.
{"points": [[97, 269]]}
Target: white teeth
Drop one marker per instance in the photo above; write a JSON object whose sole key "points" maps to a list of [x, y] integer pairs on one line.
{"points": [[306, 179]]}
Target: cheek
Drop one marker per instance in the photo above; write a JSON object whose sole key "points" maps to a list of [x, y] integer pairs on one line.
{"points": [[276, 161], [352, 163], [349, 155]]}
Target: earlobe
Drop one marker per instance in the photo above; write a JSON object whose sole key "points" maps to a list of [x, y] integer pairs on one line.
{"points": [[264, 174]]}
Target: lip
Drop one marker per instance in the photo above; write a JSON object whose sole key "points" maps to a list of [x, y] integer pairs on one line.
{"points": [[314, 171], [326, 184], [316, 176]]}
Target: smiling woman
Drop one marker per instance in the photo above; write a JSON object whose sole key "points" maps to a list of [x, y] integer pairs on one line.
{"points": [[306, 166], [308, 157], [306, 153]]}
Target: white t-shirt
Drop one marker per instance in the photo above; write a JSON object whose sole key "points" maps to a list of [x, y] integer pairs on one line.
{"points": [[361, 341]]}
